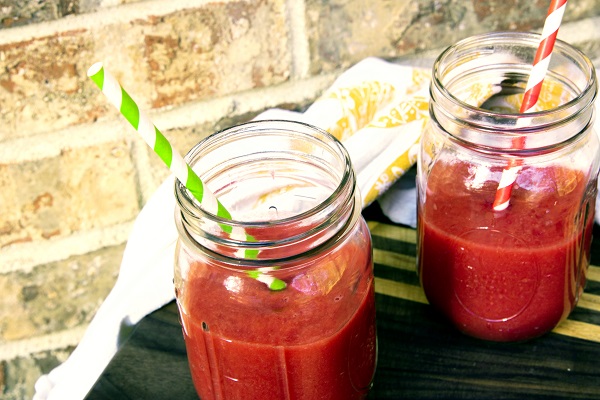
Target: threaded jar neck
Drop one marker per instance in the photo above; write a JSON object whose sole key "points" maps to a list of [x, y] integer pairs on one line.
{"points": [[289, 187], [468, 72]]}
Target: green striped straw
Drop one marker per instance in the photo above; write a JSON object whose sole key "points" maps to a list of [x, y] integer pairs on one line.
{"points": [[161, 146]]}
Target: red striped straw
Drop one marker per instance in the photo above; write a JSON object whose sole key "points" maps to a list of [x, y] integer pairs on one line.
{"points": [[532, 93]]}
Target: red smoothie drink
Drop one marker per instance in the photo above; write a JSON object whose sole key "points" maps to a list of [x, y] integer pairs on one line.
{"points": [[514, 269], [504, 276], [313, 340]]}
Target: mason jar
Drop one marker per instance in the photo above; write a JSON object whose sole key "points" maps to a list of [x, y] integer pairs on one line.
{"points": [[514, 272], [277, 302]]}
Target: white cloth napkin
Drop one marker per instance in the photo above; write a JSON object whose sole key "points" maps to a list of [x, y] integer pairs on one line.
{"points": [[377, 109], [145, 283]]}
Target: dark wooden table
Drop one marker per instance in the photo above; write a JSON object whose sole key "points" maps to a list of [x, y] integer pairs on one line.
{"points": [[420, 355]]}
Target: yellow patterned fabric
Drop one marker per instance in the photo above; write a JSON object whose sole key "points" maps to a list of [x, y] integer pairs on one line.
{"points": [[358, 105], [378, 110]]}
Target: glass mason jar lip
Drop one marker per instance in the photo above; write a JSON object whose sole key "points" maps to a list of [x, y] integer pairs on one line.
{"points": [[476, 57], [312, 228], [187, 202], [530, 38]]}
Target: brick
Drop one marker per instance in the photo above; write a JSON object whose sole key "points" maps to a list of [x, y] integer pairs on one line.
{"points": [[183, 139], [162, 60], [15, 13], [56, 296], [80, 189], [362, 29], [21, 373], [394, 29], [527, 15], [195, 54], [21, 12], [186, 126]]}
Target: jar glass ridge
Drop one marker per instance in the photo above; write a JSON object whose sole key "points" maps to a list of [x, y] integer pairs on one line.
{"points": [[512, 274], [506, 58], [248, 159]]}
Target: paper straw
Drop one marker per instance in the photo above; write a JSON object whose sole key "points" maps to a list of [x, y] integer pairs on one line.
{"points": [[262, 275], [532, 93], [119, 98], [155, 139]]}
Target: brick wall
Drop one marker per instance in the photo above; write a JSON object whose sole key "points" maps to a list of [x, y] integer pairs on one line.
{"points": [[74, 175]]}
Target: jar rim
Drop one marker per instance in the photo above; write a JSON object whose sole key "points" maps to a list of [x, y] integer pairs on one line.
{"points": [[306, 156], [532, 39], [489, 60], [348, 175]]}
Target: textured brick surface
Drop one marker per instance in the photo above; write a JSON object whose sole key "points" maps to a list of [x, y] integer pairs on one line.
{"points": [[162, 60], [56, 296], [79, 189], [18, 375], [23, 12], [41, 84], [171, 55], [14, 13], [344, 32], [183, 139]]}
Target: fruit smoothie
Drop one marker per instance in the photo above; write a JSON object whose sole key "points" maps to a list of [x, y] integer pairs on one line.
{"points": [[313, 340], [505, 276]]}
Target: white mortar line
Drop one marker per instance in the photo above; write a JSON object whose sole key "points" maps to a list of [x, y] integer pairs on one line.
{"points": [[197, 113], [25, 256], [48, 145], [191, 114], [52, 341], [296, 16]]}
